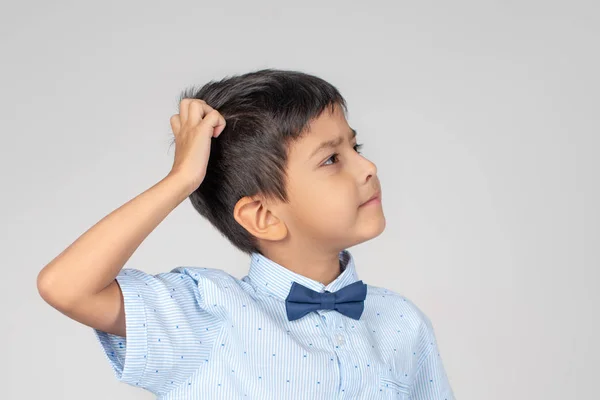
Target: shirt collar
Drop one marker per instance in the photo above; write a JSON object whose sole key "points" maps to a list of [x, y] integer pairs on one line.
{"points": [[267, 275]]}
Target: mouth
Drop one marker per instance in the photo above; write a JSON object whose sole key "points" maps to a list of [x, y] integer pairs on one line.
{"points": [[374, 199]]}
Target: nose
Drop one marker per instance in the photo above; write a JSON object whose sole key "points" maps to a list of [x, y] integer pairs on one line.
{"points": [[369, 169]]}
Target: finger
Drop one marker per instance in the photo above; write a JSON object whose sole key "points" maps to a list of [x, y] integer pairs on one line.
{"points": [[197, 110], [175, 123], [183, 110], [214, 123]]}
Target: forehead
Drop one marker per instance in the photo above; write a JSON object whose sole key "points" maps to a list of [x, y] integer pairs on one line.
{"points": [[324, 123], [328, 126]]}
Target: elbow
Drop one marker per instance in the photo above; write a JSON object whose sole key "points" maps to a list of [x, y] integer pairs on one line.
{"points": [[50, 290], [44, 286]]}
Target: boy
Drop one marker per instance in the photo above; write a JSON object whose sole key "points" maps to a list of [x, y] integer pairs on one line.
{"points": [[277, 171]]}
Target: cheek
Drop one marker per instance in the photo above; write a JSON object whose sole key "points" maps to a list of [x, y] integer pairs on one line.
{"points": [[329, 200]]}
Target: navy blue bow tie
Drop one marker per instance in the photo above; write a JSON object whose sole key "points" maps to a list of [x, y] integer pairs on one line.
{"points": [[349, 300]]}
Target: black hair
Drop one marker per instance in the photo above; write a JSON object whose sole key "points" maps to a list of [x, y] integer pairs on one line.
{"points": [[264, 110]]}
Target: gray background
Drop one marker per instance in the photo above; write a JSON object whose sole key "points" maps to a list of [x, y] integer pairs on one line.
{"points": [[481, 116]]}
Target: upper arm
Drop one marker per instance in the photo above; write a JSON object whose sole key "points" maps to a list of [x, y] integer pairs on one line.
{"points": [[165, 322], [104, 311], [431, 381]]}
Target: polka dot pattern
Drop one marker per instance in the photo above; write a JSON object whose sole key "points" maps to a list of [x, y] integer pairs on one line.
{"points": [[201, 333]]}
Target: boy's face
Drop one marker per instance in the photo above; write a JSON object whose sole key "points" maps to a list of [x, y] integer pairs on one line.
{"points": [[327, 187]]}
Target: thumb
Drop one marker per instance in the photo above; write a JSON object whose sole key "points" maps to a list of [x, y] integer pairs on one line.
{"points": [[214, 122]]}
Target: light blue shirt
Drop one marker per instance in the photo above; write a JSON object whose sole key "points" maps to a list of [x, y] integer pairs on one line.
{"points": [[201, 333]]}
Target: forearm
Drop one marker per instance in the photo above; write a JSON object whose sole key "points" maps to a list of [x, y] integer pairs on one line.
{"points": [[94, 260]]}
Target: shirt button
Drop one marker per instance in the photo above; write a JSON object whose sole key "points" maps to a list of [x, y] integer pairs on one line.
{"points": [[340, 339]]}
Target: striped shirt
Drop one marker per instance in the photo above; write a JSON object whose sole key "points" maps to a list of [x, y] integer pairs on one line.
{"points": [[201, 333]]}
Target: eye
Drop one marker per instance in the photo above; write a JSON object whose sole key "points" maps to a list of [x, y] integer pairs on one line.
{"points": [[335, 155]]}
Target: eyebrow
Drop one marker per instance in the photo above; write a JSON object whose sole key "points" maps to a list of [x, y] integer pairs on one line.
{"points": [[332, 143]]}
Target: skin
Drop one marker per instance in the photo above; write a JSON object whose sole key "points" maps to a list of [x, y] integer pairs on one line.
{"points": [[324, 215], [305, 236]]}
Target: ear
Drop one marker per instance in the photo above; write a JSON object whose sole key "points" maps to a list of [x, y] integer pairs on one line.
{"points": [[260, 221]]}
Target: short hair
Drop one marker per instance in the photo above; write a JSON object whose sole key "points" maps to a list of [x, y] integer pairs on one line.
{"points": [[265, 111]]}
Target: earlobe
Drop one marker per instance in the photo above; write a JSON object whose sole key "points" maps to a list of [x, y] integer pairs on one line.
{"points": [[258, 220]]}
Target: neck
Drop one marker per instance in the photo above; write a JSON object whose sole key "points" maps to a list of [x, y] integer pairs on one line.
{"points": [[321, 266]]}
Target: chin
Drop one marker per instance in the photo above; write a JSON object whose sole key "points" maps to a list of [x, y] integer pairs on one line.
{"points": [[377, 227], [370, 230]]}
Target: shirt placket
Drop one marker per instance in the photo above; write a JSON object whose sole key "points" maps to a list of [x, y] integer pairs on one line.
{"points": [[348, 373]]}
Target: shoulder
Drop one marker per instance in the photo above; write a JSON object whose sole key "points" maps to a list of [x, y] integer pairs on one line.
{"points": [[181, 273], [209, 279], [186, 279], [189, 288], [204, 273], [397, 306]]}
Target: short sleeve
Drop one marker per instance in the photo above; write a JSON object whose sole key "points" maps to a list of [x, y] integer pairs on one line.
{"points": [[431, 381], [169, 333]]}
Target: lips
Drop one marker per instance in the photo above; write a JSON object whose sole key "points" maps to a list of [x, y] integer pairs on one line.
{"points": [[378, 194]]}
